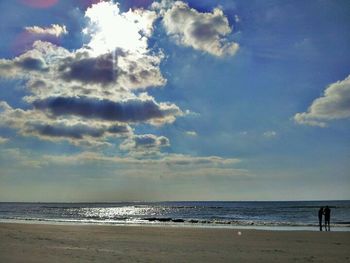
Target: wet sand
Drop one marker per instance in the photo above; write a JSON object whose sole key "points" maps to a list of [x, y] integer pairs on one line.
{"points": [[91, 243]]}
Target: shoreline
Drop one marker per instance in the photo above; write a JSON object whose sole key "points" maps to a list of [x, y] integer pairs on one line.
{"points": [[96, 243], [179, 225]]}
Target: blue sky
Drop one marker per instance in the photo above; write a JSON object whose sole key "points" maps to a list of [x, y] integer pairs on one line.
{"points": [[196, 100]]}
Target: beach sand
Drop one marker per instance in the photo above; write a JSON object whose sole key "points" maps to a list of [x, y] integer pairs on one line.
{"points": [[91, 243]]}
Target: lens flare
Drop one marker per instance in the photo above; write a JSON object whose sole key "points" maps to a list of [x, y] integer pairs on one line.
{"points": [[39, 3]]}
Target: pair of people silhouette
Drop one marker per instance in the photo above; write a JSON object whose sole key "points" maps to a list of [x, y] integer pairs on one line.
{"points": [[326, 212]]}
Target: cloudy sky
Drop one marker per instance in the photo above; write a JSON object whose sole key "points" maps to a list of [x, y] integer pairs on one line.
{"points": [[174, 100]]}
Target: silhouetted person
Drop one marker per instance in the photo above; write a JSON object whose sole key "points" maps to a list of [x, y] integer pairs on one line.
{"points": [[320, 215], [327, 218]]}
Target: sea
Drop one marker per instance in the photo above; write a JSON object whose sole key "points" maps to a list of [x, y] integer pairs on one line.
{"points": [[286, 215]]}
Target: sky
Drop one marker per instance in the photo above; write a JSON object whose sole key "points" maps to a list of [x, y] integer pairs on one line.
{"points": [[138, 100]]}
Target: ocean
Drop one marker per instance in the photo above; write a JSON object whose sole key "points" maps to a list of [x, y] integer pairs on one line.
{"points": [[296, 215]]}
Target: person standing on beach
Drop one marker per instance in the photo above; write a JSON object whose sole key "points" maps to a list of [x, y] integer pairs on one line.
{"points": [[320, 215], [327, 218]]}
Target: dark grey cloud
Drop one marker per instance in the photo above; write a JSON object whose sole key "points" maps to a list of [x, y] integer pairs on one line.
{"points": [[133, 110], [36, 84], [78, 131], [24, 64], [101, 69], [118, 129], [30, 63], [75, 130], [150, 141], [72, 132], [122, 69], [143, 71]]}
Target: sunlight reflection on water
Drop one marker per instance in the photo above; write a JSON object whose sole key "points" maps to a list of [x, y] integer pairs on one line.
{"points": [[117, 212]]}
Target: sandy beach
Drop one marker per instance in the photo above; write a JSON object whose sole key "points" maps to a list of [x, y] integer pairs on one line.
{"points": [[91, 243]]}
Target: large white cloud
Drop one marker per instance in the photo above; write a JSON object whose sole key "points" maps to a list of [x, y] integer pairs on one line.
{"points": [[89, 95], [77, 112], [202, 31], [92, 95], [333, 105]]}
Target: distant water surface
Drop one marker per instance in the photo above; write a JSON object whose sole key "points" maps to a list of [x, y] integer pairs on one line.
{"points": [[299, 214]]}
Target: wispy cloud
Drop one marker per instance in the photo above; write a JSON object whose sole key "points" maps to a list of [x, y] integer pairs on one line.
{"points": [[3, 140], [163, 165], [145, 144], [270, 134], [191, 133], [166, 159], [54, 30]]}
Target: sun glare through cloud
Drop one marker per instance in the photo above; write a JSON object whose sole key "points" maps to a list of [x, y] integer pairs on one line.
{"points": [[110, 29]]}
